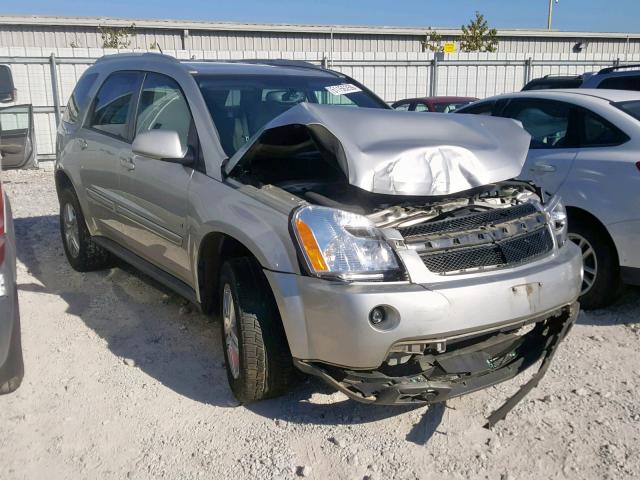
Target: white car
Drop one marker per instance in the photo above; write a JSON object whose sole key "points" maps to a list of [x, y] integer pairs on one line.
{"points": [[585, 147]]}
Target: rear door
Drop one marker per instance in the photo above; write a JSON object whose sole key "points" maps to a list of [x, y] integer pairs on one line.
{"points": [[554, 128], [17, 146], [154, 192], [105, 143]]}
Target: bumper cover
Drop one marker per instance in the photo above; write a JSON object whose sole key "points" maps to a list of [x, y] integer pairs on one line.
{"points": [[328, 322], [474, 362]]}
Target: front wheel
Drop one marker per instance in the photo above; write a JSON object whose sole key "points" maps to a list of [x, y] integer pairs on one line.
{"points": [[601, 282], [256, 351]]}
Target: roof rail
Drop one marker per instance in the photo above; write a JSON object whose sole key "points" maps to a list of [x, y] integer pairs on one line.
{"points": [[276, 62], [619, 67], [558, 75], [139, 55]]}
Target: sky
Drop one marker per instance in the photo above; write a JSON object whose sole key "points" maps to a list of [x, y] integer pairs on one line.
{"points": [[578, 15]]}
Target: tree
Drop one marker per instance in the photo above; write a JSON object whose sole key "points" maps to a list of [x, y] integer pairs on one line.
{"points": [[478, 37], [432, 41], [113, 37]]}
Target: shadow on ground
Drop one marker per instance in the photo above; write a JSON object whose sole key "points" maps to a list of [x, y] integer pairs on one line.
{"points": [[142, 321]]}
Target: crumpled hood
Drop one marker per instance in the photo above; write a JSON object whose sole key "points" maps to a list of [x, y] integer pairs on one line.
{"points": [[409, 153]]}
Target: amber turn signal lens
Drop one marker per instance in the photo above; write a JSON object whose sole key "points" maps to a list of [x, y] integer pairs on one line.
{"points": [[311, 248]]}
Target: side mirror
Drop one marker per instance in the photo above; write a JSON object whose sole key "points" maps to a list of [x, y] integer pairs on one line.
{"points": [[161, 145]]}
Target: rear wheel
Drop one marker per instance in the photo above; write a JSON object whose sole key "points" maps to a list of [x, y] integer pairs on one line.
{"points": [[257, 355], [82, 253], [601, 282]]}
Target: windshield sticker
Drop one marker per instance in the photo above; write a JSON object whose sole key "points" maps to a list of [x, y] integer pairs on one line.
{"points": [[342, 89]]}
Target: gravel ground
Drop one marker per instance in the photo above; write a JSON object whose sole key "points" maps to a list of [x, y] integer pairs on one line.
{"points": [[122, 380]]}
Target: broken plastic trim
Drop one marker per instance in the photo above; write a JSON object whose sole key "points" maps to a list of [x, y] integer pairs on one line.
{"points": [[376, 387]]}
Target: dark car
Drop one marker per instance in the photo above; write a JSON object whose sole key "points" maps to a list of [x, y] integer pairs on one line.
{"points": [[620, 77], [11, 366], [433, 104], [8, 92]]}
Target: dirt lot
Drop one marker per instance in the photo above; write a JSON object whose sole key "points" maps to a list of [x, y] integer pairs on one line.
{"points": [[123, 381]]}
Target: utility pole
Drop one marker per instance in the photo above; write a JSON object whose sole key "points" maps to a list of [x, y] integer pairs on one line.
{"points": [[550, 13]]}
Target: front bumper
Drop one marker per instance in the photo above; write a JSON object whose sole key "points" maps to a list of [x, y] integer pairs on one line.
{"points": [[328, 322], [473, 362]]}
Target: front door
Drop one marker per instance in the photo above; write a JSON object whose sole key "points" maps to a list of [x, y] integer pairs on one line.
{"points": [[154, 192], [554, 130], [17, 146]]}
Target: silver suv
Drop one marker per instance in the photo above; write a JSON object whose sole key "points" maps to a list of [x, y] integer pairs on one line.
{"points": [[389, 254]]}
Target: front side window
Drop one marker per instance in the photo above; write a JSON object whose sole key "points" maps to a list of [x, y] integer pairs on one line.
{"points": [[241, 105], [79, 99], [483, 108], [421, 107], [551, 124], [163, 106], [112, 105]]}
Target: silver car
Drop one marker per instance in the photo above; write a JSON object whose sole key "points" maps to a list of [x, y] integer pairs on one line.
{"points": [[585, 147], [11, 364], [388, 253]]}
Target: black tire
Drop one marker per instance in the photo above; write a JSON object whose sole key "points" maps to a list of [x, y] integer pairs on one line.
{"points": [[607, 284], [89, 256], [12, 372], [265, 366]]}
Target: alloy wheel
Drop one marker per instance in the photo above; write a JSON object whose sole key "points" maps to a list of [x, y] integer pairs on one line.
{"points": [[589, 261], [71, 230], [230, 326]]}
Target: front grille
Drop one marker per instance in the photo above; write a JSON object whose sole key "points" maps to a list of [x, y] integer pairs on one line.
{"points": [[469, 222], [499, 254]]}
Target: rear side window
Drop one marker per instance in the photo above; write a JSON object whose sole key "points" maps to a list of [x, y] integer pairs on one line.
{"points": [[630, 108], [79, 99], [627, 82], [597, 132], [163, 107], [112, 105], [402, 107]]}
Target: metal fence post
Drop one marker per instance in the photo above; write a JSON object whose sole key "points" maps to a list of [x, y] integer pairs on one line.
{"points": [[54, 87], [528, 63], [433, 78]]}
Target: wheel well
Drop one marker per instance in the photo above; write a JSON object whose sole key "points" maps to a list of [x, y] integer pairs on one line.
{"points": [[584, 216], [214, 250], [62, 182]]}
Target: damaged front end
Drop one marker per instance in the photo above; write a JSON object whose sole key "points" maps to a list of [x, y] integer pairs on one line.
{"points": [[403, 225], [437, 369]]}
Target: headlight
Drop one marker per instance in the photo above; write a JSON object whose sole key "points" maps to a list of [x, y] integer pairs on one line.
{"points": [[339, 244], [558, 219]]}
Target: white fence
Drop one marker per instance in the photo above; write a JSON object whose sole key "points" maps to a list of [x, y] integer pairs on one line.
{"points": [[45, 77]]}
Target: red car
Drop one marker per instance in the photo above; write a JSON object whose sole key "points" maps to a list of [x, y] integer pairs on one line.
{"points": [[433, 104]]}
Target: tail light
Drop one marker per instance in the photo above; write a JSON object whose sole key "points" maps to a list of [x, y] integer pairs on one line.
{"points": [[2, 221]]}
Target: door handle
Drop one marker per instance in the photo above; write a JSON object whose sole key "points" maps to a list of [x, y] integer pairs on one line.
{"points": [[83, 144], [543, 168], [127, 163]]}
